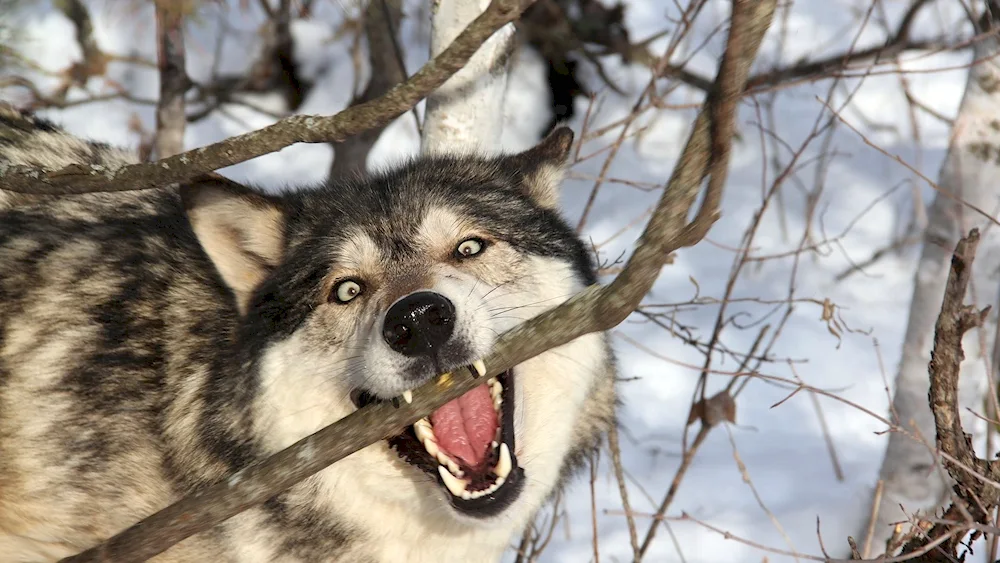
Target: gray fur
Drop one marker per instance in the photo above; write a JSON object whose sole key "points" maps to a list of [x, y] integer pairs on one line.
{"points": [[154, 342]]}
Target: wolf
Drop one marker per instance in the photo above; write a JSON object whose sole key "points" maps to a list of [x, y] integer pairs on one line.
{"points": [[154, 342]]}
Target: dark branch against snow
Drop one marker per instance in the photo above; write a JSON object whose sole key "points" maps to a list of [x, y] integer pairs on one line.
{"points": [[295, 129]]}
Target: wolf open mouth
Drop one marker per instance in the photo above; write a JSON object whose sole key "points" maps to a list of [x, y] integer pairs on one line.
{"points": [[467, 445]]}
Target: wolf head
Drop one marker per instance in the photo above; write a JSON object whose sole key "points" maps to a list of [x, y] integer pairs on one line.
{"points": [[363, 290]]}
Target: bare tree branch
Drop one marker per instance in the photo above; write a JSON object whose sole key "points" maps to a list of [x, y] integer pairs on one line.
{"points": [[975, 497], [900, 41], [382, 18], [953, 322], [594, 309], [170, 117], [294, 129]]}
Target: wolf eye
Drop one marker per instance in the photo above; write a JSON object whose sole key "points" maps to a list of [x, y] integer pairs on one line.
{"points": [[346, 290], [469, 247]]}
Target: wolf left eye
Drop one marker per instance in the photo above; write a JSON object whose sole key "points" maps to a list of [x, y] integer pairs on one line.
{"points": [[469, 247], [346, 290]]}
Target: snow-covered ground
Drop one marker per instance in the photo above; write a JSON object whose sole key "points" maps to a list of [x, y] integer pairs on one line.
{"points": [[865, 201]]}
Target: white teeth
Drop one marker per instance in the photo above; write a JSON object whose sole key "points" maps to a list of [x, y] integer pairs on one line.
{"points": [[491, 381], [423, 430], [446, 461], [425, 433], [452, 476], [454, 484], [442, 458], [495, 390], [504, 465], [432, 448], [449, 470], [492, 489], [480, 367], [408, 396]]}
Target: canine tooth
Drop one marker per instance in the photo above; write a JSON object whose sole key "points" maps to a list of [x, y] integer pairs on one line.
{"points": [[480, 367], [504, 465], [454, 484], [408, 396]]}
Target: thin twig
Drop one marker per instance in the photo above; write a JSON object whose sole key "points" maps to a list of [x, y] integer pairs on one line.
{"points": [[616, 462]]}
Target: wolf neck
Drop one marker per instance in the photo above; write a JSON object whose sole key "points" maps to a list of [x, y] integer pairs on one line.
{"points": [[416, 532]]}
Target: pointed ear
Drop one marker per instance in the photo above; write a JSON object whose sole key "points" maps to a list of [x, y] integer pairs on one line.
{"points": [[241, 230], [544, 165]]}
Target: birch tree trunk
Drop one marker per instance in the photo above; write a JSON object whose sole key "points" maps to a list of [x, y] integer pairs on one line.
{"points": [[968, 197], [466, 113]]}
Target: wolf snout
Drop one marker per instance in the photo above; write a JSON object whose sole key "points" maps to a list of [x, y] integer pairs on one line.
{"points": [[419, 323]]}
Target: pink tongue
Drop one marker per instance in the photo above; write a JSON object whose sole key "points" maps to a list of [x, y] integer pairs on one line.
{"points": [[465, 427]]}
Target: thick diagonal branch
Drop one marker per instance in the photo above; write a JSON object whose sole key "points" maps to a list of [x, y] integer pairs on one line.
{"points": [[594, 309], [295, 129]]}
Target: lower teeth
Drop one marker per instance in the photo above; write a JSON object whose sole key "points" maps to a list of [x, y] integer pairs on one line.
{"points": [[451, 474]]}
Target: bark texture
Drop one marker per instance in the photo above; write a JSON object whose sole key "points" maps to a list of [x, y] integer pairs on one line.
{"points": [[466, 113], [968, 198]]}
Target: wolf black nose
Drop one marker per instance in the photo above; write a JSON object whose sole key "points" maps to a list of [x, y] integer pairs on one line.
{"points": [[419, 323]]}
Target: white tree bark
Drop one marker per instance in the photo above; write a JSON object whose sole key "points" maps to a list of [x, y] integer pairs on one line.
{"points": [[971, 173], [466, 113]]}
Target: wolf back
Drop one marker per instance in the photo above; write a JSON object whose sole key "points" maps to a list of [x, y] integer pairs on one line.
{"points": [[154, 342]]}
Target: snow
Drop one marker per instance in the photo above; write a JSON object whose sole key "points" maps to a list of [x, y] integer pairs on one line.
{"points": [[866, 201]]}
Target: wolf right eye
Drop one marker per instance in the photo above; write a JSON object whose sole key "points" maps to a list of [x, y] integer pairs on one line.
{"points": [[469, 247], [346, 290]]}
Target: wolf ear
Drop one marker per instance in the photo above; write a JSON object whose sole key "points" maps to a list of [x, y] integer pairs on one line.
{"points": [[241, 230], [544, 165]]}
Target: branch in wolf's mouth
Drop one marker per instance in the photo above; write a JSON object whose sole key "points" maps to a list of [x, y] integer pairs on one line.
{"points": [[594, 309], [295, 129]]}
